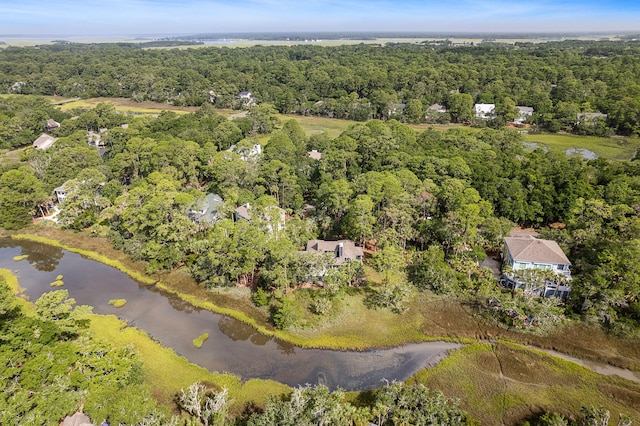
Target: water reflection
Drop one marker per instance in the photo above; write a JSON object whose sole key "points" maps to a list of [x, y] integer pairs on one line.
{"points": [[43, 258], [232, 346]]}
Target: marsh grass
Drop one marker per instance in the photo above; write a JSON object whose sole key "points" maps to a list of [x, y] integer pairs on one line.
{"points": [[118, 303], [199, 341], [21, 257], [14, 285], [167, 372], [505, 383], [57, 283]]}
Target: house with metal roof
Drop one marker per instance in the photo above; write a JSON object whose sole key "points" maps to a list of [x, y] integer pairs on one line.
{"points": [[206, 212], [528, 252], [44, 141]]}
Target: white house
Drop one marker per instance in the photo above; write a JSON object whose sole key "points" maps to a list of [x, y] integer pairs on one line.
{"points": [[524, 113], [247, 99], [61, 192], [590, 118], [247, 153], [485, 111], [314, 154], [528, 252]]}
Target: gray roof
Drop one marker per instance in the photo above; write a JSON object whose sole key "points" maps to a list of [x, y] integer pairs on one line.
{"points": [[44, 141], [243, 212], [209, 210], [525, 109], [349, 249], [530, 249]]}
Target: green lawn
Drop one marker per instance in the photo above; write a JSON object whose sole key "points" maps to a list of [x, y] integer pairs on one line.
{"points": [[315, 125], [617, 148], [127, 105]]}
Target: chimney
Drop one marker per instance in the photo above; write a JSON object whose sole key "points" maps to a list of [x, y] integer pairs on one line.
{"points": [[340, 249]]}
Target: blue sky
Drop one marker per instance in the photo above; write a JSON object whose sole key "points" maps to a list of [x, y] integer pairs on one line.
{"points": [[119, 17]]}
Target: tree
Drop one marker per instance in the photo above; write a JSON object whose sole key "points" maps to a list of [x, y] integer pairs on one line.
{"points": [[209, 408], [414, 111], [20, 194], [359, 220], [398, 404], [460, 107], [57, 306]]}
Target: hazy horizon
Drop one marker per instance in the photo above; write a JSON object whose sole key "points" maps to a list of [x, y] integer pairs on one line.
{"points": [[37, 18]]}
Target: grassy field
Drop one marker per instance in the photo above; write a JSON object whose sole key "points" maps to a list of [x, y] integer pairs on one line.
{"points": [[617, 148], [126, 105], [315, 125], [9, 159], [506, 384]]}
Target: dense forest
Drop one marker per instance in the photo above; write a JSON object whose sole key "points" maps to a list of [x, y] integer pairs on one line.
{"points": [[558, 79], [435, 203], [428, 205]]}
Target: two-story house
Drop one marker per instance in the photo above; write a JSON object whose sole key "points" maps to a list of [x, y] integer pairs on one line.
{"points": [[528, 252]]}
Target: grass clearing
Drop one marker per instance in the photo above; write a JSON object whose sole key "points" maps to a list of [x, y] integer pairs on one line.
{"points": [[9, 159], [315, 125], [127, 105], [614, 148], [14, 285]]}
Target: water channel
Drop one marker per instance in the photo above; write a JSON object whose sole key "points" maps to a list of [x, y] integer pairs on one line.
{"points": [[232, 346]]}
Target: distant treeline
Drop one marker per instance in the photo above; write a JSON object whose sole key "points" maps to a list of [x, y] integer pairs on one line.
{"points": [[560, 80]]}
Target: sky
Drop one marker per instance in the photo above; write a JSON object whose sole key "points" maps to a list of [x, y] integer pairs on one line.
{"points": [[131, 17]]}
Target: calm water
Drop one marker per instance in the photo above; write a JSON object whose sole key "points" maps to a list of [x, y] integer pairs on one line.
{"points": [[232, 346]]}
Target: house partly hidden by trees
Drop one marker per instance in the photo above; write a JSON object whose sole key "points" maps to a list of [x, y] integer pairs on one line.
{"points": [[485, 111], [270, 218], [206, 211], [337, 253], [538, 267]]}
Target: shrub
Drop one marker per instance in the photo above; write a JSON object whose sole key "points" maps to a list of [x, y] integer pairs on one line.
{"points": [[260, 297], [321, 305], [285, 315]]}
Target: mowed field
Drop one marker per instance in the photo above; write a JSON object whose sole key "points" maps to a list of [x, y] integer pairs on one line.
{"points": [[122, 105]]}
